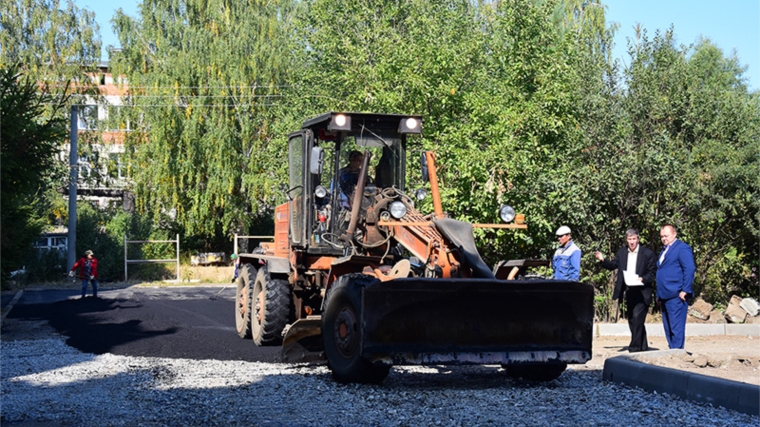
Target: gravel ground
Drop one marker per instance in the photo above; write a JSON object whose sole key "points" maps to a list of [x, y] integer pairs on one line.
{"points": [[47, 383]]}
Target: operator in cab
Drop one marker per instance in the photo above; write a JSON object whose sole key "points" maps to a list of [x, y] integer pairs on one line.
{"points": [[348, 177]]}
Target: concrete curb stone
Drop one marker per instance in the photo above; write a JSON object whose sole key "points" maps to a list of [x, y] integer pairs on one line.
{"points": [[692, 329], [632, 370]]}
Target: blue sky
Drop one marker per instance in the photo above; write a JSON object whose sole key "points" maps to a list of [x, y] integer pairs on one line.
{"points": [[729, 24]]}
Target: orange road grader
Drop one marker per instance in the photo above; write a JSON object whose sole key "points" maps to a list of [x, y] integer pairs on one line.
{"points": [[358, 275]]}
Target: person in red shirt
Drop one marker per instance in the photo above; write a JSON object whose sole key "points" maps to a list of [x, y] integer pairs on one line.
{"points": [[88, 272]]}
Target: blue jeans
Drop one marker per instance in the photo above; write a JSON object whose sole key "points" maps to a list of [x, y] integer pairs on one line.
{"points": [[94, 287]]}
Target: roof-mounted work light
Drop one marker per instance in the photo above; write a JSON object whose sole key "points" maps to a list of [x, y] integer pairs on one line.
{"points": [[340, 122], [410, 125]]}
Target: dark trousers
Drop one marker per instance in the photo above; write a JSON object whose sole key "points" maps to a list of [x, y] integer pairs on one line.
{"points": [[674, 321], [636, 312]]}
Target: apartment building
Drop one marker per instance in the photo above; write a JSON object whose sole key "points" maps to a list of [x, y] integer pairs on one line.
{"points": [[102, 127]]}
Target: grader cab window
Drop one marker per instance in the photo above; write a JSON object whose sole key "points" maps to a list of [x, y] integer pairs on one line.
{"points": [[385, 157], [342, 160], [296, 192]]}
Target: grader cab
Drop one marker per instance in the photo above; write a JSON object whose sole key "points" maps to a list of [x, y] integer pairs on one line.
{"points": [[358, 274]]}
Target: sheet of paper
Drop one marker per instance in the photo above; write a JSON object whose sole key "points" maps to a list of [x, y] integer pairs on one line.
{"points": [[631, 279]]}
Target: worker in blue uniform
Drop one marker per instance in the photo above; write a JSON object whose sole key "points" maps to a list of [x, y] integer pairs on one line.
{"points": [[566, 262]]}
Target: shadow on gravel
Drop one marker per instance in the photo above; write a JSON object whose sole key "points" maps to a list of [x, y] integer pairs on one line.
{"points": [[81, 321], [478, 377]]}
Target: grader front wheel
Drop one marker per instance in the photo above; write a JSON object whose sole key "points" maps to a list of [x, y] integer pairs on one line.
{"points": [[341, 333]]}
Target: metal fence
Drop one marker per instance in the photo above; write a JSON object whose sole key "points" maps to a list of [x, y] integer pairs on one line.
{"points": [[149, 261]]}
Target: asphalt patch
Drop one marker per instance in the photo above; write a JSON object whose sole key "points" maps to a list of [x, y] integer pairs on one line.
{"points": [[188, 328]]}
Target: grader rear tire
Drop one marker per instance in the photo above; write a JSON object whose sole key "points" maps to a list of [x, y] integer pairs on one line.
{"points": [[244, 283], [271, 308]]}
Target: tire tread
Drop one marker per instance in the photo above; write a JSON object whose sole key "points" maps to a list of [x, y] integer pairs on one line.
{"points": [[277, 308], [357, 369], [246, 278]]}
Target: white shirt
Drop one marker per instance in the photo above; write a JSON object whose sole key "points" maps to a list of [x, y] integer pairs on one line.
{"points": [[633, 256], [662, 256], [630, 268]]}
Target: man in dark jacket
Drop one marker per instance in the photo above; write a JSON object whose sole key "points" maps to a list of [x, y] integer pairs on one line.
{"points": [[636, 268]]}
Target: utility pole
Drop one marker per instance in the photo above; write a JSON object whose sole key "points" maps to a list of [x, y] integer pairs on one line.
{"points": [[73, 177]]}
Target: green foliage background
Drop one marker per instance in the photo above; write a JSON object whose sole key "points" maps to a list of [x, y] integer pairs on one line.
{"points": [[522, 104], [30, 131]]}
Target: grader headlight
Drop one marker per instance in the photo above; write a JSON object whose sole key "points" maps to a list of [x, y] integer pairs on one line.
{"points": [[340, 122], [320, 191], [397, 209], [410, 125], [507, 213]]}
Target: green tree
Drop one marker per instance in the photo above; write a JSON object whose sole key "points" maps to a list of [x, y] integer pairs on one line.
{"points": [[203, 77], [56, 50], [720, 124], [680, 146], [30, 142], [494, 81], [53, 45]]}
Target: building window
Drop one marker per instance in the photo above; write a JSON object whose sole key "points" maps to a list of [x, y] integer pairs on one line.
{"points": [[87, 165], [118, 119], [52, 242], [88, 117], [115, 167]]}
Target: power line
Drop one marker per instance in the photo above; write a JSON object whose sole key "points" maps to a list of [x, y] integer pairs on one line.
{"points": [[189, 87], [207, 87], [173, 96], [179, 106]]}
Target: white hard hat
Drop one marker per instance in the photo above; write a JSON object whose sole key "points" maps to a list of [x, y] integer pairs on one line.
{"points": [[563, 230]]}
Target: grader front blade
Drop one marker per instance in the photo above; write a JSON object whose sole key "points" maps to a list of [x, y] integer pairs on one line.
{"points": [[477, 321]]}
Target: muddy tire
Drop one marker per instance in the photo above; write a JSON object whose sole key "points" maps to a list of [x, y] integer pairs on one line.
{"points": [[244, 283], [270, 308], [536, 372], [342, 333]]}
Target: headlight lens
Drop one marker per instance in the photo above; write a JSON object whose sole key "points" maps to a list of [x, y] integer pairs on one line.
{"points": [[507, 213], [320, 191], [398, 210], [420, 194], [410, 125]]}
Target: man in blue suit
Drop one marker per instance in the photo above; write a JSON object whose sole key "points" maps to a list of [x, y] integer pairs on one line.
{"points": [[675, 275]]}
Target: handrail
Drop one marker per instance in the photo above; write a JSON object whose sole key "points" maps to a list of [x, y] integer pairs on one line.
{"points": [[149, 261]]}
